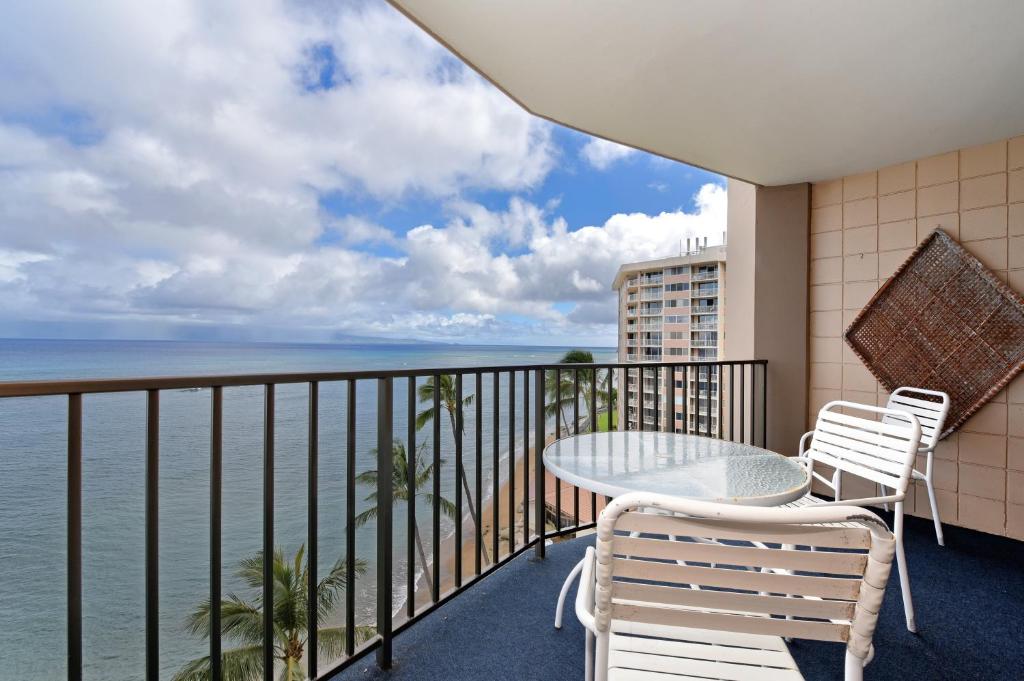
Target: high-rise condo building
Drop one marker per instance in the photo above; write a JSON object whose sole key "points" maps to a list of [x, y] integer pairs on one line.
{"points": [[672, 309]]}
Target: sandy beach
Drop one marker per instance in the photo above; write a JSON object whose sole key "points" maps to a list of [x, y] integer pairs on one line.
{"points": [[469, 546]]}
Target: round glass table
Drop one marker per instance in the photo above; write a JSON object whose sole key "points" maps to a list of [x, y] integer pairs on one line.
{"points": [[691, 466], [681, 465]]}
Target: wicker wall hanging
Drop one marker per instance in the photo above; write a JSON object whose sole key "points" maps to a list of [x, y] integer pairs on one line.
{"points": [[943, 321]]}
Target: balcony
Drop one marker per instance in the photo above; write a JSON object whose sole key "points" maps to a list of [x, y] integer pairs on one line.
{"points": [[311, 427], [502, 629], [703, 309], [704, 276]]}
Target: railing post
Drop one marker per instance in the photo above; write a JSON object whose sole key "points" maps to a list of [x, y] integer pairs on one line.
{"points": [[435, 532], [457, 379], [478, 441], [152, 535], [410, 506], [216, 476], [764, 405], [350, 515], [268, 532], [538, 438], [526, 458], [385, 420], [74, 537], [511, 463], [312, 623]]}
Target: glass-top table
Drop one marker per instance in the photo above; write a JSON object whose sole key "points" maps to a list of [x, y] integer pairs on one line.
{"points": [[691, 466]]}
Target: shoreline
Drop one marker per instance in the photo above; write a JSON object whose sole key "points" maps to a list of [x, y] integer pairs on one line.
{"points": [[447, 550]]}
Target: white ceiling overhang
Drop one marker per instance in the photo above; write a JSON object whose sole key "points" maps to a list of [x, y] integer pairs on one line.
{"points": [[770, 92]]}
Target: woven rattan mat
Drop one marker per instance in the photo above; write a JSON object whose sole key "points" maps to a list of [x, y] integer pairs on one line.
{"points": [[943, 321]]}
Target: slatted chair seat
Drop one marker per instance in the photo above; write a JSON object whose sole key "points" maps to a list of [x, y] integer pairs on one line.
{"points": [[718, 604], [656, 653], [811, 500]]}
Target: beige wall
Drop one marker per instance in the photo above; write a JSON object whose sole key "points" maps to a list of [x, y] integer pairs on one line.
{"points": [[766, 317], [862, 228]]}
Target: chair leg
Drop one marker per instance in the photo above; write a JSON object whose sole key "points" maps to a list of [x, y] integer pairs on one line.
{"points": [[573, 574], [901, 564], [854, 668], [935, 511], [880, 491], [601, 657], [588, 663]]}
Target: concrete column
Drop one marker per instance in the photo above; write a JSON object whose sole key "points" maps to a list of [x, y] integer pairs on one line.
{"points": [[766, 306]]}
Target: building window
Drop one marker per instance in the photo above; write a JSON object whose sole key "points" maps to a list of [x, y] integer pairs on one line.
{"points": [[685, 269], [675, 351], [677, 287]]}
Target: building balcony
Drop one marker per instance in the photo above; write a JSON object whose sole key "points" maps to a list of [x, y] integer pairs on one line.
{"points": [[484, 634], [704, 276], [703, 309], [506, 582], [299, 449]]}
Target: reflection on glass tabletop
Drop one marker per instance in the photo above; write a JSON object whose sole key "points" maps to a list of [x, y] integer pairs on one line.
{"points": [[682, 465]]}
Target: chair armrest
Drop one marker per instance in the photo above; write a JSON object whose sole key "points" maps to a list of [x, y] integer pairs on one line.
{"points": [[803, 444], [868, 501], [585, 592]]}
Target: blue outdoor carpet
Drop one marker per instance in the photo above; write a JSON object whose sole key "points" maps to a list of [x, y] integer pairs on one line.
{"points": [[969, 598]]}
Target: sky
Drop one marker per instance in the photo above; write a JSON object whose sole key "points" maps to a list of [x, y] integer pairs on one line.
{"points": [[267, 170]]}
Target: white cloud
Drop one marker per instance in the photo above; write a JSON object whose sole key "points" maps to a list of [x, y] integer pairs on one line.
{"points": [[195, 194], [601, 153]]}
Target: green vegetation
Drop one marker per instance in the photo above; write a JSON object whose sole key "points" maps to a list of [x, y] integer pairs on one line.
{"points": [[449, 402], [559, 398], [400, 492], [602, 421], [242, 621]]}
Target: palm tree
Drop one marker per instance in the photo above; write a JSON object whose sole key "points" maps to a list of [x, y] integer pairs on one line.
{"points": [[400, 492], [450, 404], [588, 383], [242, 620]]}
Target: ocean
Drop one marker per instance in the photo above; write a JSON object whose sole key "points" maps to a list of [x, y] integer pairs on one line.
{"points": [[33, 485]]}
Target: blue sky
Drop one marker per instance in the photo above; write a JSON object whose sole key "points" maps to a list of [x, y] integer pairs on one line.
{"points": [[269, 170]]}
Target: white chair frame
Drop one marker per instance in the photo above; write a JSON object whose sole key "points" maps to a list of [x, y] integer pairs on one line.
{"points": [[932, 416], [660, 621], [882, 450]]}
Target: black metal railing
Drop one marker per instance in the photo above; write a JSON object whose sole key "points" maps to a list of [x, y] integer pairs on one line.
{"points": [[557, 393]]}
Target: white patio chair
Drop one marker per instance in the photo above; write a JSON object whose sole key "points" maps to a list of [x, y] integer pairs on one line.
{"points": [[881, 449], [932, 416], [718, 607]]}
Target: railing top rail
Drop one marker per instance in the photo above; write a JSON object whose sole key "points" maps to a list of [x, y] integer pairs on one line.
{"points": [[142, 383]]}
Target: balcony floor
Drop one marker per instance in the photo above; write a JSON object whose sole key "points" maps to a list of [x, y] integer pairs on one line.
{"points": [[969, 598]]}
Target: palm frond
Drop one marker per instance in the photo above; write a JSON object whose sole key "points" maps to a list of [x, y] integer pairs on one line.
{"points": [[331, 589], [237, 664], [331, 640]]}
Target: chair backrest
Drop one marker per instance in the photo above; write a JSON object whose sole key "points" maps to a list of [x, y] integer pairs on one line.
{"points": [[879, 444], [739, 571], [929, 406]]}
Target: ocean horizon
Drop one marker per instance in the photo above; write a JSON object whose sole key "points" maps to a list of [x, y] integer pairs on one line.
{"points": [[33, 483]]}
